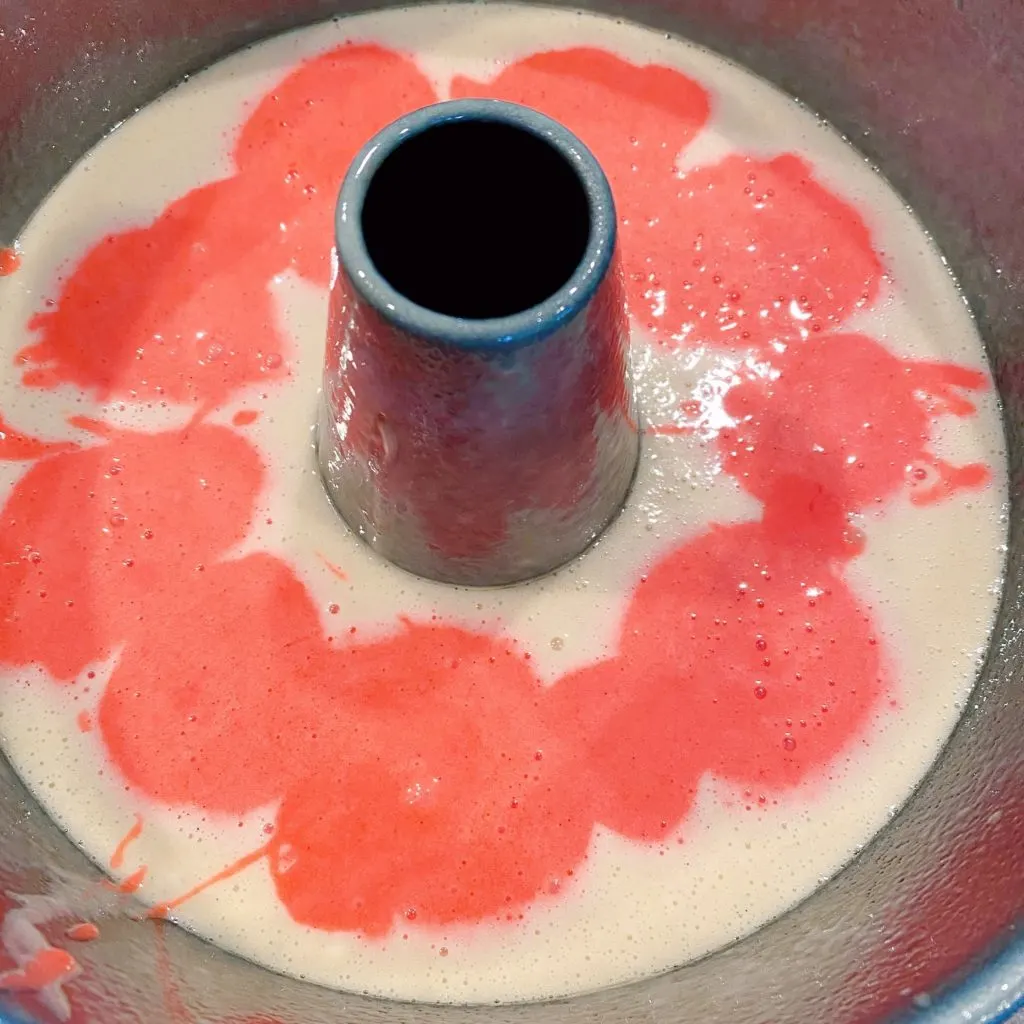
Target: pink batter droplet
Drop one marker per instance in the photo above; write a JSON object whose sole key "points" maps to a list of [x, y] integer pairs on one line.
{"points": [[10, 261], [950, 479], [85, 931]]}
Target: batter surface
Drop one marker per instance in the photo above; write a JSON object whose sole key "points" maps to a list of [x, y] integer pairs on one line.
{"points": [[428, 793]]}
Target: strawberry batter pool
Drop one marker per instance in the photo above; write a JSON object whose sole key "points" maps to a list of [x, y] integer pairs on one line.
{"points": [[380, 783]]}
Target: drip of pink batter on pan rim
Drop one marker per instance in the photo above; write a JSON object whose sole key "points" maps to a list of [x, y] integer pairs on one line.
{"points": [[10, 261], [743, 653]]}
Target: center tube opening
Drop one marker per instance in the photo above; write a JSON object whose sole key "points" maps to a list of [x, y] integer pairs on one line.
{"points": [[476, 219]]}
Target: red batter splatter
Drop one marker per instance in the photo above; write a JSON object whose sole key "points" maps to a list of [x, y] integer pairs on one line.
{"points": [[428, 775], [335, 570], [174, 1006], [10, 261], [133, 883], [296, 146]]}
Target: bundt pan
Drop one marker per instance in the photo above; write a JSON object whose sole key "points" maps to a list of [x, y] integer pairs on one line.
{"points": [[925, 923]]}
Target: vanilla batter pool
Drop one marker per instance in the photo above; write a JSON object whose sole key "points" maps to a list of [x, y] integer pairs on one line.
{"points": [[930, 573]]}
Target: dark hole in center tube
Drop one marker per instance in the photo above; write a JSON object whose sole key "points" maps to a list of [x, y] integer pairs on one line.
{"points": [[476, 219]]}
